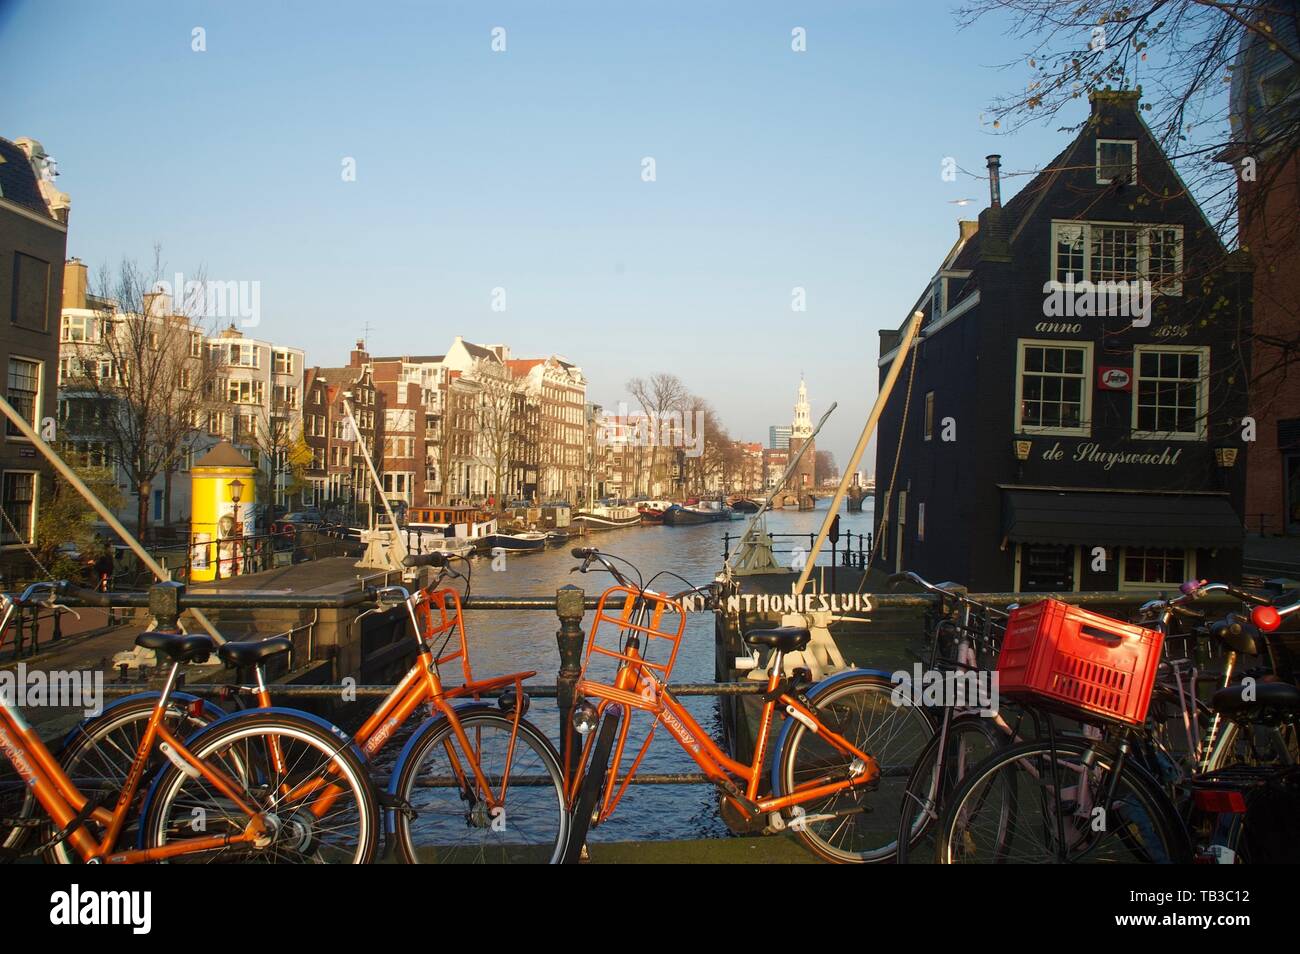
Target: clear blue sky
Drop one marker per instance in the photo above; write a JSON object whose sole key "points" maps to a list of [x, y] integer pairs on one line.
{"points": [[522, 170]]}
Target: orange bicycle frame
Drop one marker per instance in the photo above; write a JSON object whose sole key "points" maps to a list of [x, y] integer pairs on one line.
{"points": [[63, 801], [639, 685]]}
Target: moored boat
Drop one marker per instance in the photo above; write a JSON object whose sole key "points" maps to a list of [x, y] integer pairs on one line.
{"points": [[652, 511], [513, 541], [447, 529], [607, 518], [744, 505]]}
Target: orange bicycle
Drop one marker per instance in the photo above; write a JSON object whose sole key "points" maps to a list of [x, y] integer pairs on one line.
{"points": [[838, 738], [263, 785], [475, 781]]}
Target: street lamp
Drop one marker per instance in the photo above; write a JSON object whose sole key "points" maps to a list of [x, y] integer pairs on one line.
{"points": [[1022, 449], [236, 488]]}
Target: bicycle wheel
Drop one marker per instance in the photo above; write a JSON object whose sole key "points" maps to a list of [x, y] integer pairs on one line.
{"points": [[1023, 806], [969, 741], [444, 817], [308, 784], [101, 751], [19, 812], [843, 827]]}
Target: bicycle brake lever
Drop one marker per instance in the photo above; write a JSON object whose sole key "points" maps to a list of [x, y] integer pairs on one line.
{"points": [[65, 609]]}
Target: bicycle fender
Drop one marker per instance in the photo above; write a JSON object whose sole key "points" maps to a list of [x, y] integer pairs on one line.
{"points": [[193, 738], [211, 710], [812, 694]]}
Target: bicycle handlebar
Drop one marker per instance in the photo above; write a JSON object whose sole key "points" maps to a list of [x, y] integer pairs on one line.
{"points": [[425, 559]]}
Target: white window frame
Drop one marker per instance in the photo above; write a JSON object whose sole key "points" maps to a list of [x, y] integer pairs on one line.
{"points": [[35, 506], [1189, 570], [38, 401], [1115, 142], [1202, 395], [1171, 287], [1085, 427], [928, 425]]}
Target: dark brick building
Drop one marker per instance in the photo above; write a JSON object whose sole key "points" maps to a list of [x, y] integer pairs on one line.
{"points": [[33, 244], [1067, 432]]}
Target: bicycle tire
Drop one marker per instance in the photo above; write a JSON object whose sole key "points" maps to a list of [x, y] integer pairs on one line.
{"points": [[408, 783], [1149, 828], [924, 796], [295, 833], [876, 694]]}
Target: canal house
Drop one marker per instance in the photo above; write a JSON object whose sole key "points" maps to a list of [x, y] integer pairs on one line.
{"points": [[1076, 419]]}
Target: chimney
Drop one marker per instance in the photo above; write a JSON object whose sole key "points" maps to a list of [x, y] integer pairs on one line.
{"points": [[74, 283], [995, 182], [358, 357]]}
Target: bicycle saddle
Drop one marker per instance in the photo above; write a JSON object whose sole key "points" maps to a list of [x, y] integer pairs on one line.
{"points": [[250, 652], [1269, 699], [785, 638], [178, 647]]}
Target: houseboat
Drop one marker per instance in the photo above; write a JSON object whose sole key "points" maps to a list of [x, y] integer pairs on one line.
{"points": [[705, 511], [603, 517], [447, 529], [652, 511], [512, 541]]}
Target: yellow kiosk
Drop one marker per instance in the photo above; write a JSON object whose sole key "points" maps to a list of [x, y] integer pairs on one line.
{"points": [[223, 495]]}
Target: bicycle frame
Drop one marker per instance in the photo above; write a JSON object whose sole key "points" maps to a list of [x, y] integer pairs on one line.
{"points": [[434, 613], [64, 802], [640, 685]]}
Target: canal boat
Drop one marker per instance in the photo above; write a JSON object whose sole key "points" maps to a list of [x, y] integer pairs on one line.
{"points": [[652, 511], [603, 517], [422, 542], [744, 505], [471, 522], [512, 541], [685, 516]]}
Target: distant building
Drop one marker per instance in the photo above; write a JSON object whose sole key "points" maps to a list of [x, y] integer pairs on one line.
{"points": [[803, 480], [778, 437], [33, 244]]}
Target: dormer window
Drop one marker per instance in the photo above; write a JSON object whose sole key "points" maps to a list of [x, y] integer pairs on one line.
{"points": [[1116, 161]]}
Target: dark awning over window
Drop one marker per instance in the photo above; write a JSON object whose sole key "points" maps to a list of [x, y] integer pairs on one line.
{"points": [[1120, 519]]}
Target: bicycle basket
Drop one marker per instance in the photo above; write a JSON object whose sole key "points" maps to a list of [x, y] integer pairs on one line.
{"points": [[657, 621], [969, 640], [442, 624], [1088, 666]]}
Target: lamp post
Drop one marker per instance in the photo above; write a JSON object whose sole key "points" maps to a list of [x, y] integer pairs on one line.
{"points": [[236, 488]]}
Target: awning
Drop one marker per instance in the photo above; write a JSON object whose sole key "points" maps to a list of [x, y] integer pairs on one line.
{"points": [[1120, 519]]}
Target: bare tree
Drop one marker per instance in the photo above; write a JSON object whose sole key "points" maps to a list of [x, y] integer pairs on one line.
{"points": [[825, 470], [142, 373], [660, 397], [495, 444]]}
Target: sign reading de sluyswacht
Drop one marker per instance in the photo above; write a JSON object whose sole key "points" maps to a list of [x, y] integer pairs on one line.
{"points": [[1090, 452]]}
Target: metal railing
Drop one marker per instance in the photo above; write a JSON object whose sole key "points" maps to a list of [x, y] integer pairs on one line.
{"points": [[168, 601], [841, 553]]}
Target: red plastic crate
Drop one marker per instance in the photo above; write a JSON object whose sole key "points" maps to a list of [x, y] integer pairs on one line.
{"points": [[1065, 658]]}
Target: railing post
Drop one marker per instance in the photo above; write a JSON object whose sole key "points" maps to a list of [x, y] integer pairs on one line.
{"points": [[569, 638]]}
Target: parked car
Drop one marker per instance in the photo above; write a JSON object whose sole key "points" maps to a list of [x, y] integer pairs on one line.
{"points": [[298, 520]]}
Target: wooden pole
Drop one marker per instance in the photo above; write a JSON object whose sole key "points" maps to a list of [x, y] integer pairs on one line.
{"points": [[904, 347], [105, 514]]}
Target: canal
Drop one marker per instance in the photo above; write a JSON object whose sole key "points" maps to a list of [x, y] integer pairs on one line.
{"points": [[502, 642]]}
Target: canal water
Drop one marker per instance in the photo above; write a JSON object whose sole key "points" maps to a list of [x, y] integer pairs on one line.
{"points": [[502, 642]]}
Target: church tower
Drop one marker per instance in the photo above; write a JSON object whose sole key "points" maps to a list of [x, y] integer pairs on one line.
{"points": [[802, 481]]}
